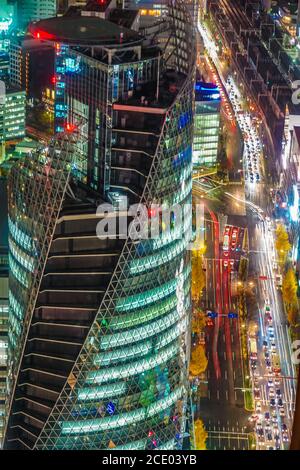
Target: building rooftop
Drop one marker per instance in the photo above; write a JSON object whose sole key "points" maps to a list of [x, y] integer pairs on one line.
{"points": [[83, 31], [145, 98], [124, 18], [206, 91]]}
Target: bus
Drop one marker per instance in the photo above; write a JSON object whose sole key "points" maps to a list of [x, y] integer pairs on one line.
{"points": [[226, 243], [253, 348], [276, 364]]}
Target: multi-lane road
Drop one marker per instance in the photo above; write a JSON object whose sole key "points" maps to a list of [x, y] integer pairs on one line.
{"points": [[274, 393]]}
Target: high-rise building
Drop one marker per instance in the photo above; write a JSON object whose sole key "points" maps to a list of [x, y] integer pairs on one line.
{"points": [[4, 66], [3, 300], [207, 124], [26, 56], [99, 327], [34, 10], [12, 115]]}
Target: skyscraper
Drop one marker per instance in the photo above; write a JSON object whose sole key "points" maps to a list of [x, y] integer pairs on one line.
{"points": [[100, 327], [207, 124], [12, 115], [3, 300], [33, 10]]}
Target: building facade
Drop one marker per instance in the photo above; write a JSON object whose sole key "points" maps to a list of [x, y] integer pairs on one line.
{"points": [[12, 115], [3, 302], [99, 327], [207, 125], [34, 10]]}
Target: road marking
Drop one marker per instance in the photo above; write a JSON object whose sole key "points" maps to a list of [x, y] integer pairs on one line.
{"points": [[225, 355], [218, 395], [226, 393], [225, 374]]}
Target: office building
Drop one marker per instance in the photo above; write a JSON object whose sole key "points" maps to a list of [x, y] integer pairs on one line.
{"points": [[4, 66], [12, 115], [207, 124], [26, 56], [34, 10], [99, 328], [3, 300]]}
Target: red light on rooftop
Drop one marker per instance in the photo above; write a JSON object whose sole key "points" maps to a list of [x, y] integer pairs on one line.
{"points": [[43, 35], [70, 127], [53, 79]]}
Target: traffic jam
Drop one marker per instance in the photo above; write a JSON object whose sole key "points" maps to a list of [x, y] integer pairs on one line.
{"points": [[252, 148], [272, 432]]}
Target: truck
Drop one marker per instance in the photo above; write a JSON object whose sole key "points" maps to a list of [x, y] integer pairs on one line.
{"points": [[253, 348], [276, 364]]}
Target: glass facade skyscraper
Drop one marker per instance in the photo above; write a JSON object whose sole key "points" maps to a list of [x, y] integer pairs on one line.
{"points": [[99, 332], [207, 125]]}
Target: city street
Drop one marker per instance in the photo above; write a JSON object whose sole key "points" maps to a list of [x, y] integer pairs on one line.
{"points": [[272, 373]]}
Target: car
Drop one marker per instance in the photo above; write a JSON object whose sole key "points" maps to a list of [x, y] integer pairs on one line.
{"points": [[271, 393], [256, 394], [272, 402], [270, 382], [282, 412], [284, 427], [277, 446], [255, 418], [268, 365], [285, 437], [258, 406], [225, 263], [277, 381], [273, 346], [280, 403], [278, 392], [265, 345], [267, 355], [269, 436], [267, 416]]}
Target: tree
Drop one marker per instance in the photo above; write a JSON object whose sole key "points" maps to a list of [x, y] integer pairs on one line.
{"points": [[198, 363], [282, 243], [198, 276], [289, 295], [200, 435], [198, 321]]}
